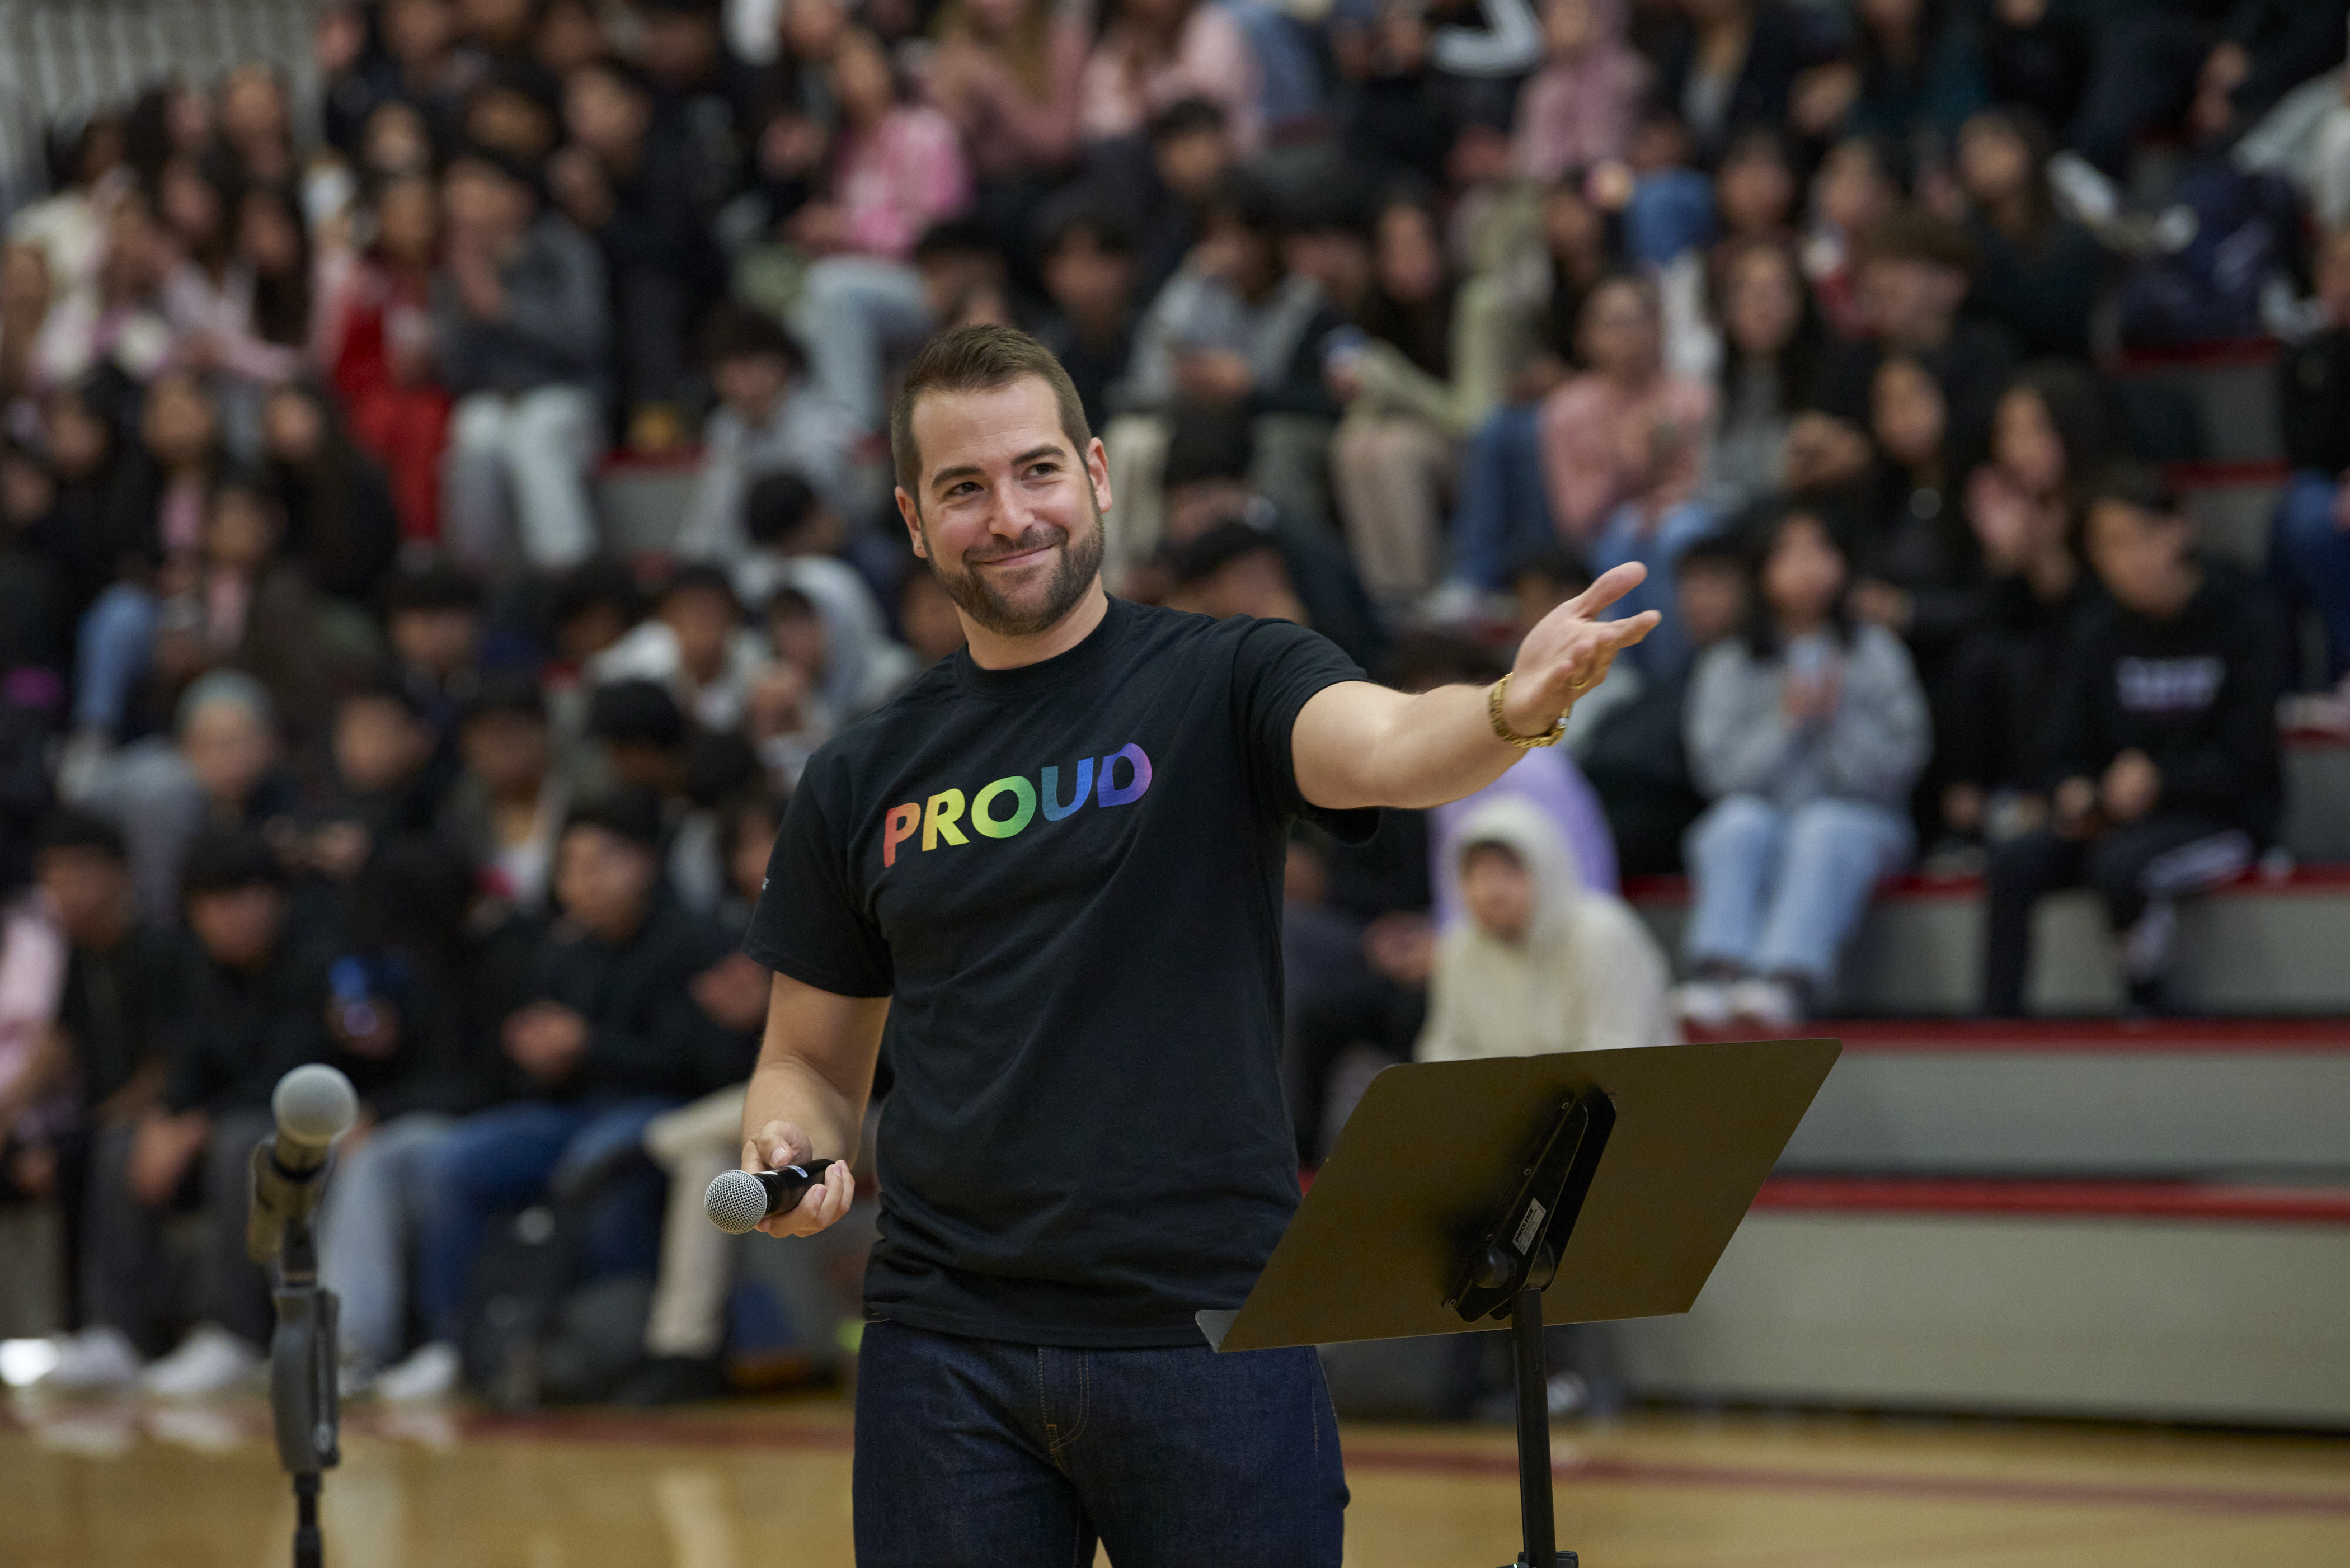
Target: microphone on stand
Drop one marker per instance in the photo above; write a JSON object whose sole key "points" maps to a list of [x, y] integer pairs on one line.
{"points": [[738, 1199], [313, 1105]]}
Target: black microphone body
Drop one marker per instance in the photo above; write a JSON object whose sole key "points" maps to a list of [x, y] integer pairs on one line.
{"points": [[783, 1188]]}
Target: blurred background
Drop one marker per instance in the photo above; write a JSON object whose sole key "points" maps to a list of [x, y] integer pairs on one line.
{"points": [[445, 499]]}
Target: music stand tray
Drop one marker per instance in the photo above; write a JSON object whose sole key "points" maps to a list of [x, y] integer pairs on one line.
{"points": [[1571, 1188]]}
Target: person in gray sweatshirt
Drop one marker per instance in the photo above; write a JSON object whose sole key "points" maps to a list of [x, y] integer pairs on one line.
{"points": [[521, 326], [1806, 734]]}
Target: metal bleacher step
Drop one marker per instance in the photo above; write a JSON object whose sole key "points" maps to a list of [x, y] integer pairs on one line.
{"points": [[2134, 1299], [2265, 945], [2236, 1099]]}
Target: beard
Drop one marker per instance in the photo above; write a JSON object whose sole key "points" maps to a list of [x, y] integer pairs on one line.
{"points": [[1078, 564]]}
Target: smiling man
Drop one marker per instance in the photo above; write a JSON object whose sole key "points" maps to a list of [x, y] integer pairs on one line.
{"points": [[1050, 873]]}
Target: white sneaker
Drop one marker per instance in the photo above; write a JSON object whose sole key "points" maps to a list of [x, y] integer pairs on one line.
{"points": [[1769, 1002], [429, 1376], [210, 1361], [1701, 1003], [98, 1357]]}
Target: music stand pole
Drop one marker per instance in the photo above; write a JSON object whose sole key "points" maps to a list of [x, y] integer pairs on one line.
{"points": [[1536, 1507]]}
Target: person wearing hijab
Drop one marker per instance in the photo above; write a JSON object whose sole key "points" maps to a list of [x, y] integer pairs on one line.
{"points": [[1541, 963]]}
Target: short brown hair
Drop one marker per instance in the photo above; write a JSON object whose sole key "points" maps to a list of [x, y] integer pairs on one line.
{"points": [[978, 359]]}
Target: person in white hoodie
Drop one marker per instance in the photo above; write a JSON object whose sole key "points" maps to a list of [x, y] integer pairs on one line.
{"points": [[1541, 963]]}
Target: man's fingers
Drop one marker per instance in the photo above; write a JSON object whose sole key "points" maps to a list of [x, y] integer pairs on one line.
{"points": [[1624, 633], [1612, 585]]}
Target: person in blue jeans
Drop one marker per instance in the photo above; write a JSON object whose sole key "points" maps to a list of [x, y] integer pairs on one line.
{"points": [[1807, 733], [1051, 870], [611, 1039]]}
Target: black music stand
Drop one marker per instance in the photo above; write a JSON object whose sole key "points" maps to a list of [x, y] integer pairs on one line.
{"points": [[1540, 1190]]}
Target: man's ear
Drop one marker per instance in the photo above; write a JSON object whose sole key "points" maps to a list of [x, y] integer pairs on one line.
{"points": [[909, 512], [1098, 474]]}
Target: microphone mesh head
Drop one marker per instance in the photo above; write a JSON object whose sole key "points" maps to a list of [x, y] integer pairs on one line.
{"points": [[736, 1201], [315, 1104]]}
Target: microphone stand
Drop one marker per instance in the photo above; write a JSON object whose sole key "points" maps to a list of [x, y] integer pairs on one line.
{"points": [[304, 1403]]}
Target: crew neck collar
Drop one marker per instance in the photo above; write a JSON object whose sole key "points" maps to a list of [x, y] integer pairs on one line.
{"points": [[1085, 656]]}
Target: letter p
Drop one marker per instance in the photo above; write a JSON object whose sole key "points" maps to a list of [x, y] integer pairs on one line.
{"points": [[903, 820]]}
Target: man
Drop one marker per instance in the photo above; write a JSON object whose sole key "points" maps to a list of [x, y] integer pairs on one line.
{"points": [[2168, 780], [1053, 870], [520, 324]]}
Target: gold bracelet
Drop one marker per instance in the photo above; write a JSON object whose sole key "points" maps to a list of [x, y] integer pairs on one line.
{"points": [[1502, 730]]}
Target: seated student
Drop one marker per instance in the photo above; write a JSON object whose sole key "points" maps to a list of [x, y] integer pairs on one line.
{"points": [[107, 1035], [1543, 963], [1920, 574], [2166, 779], [382, 787], [224, 771], [795, 535], [1209, 457], [402, 1030], [1623, 448], [433, 617], [1634, 756], [1807, 733], [1090, 273], [687, 1326], [609, 1039], [246, 1004], [768, 419], [506, 809], [696, 645]]}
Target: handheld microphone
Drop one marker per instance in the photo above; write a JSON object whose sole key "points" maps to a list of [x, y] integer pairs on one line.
{"points": [[314, 1107], [738, 1199]]}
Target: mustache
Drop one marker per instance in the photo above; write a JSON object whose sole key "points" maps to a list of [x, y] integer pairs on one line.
{"points": [[1041, 537]]}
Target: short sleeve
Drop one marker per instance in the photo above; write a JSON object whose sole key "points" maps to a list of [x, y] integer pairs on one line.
{"points": [[1279, 668], [810, 924]]}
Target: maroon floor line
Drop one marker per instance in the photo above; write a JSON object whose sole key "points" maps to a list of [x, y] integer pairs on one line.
{"points": [[1386, 1459]]}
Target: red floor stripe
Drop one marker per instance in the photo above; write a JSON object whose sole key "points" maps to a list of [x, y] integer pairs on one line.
{"points": [[2073, 1037]]}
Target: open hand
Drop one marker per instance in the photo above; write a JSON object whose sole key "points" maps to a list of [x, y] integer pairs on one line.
{"points": [[779, 1144], [1570, 650]]}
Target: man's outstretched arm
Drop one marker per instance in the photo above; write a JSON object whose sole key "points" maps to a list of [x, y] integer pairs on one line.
{"points": [[1358, 744]]}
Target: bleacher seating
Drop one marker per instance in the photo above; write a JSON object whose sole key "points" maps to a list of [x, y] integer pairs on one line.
{"points": [[2145, 1221]]}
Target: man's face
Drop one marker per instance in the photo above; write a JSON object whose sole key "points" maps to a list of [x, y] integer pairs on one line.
{"points": [[89, 890], [1010, 516], [238, 926], [604, 881]]}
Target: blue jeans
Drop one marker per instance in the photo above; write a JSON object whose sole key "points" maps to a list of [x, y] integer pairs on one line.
{"points": [[1664, 651], [510, 1155], [113, 645], [2309, 557], [1503, 517], [853, 310], [1778, 891], [974, 1453]]}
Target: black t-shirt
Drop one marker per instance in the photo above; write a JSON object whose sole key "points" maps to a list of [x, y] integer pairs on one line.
{"points": [[1067, 878]]}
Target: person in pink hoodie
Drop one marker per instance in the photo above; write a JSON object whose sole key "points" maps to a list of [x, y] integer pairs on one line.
{"points": [[1579, 108]]}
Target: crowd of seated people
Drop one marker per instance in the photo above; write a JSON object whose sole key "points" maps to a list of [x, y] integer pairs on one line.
{"points": [[335, 727]]}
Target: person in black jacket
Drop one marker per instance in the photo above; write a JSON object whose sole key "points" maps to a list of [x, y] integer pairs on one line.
{"points": [[610, 1038], [2167, 778], [107, 1030], [2310, 558], [246, 1005]]}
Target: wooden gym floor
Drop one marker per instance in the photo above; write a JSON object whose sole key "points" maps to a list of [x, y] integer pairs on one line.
{"points": [[96, 1486]]}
